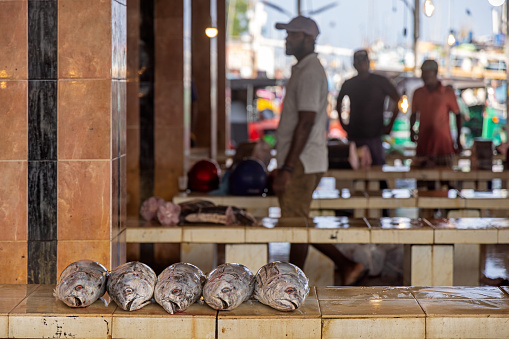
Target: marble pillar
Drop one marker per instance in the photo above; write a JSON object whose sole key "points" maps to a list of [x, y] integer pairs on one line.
{"points": [[62, 141]]}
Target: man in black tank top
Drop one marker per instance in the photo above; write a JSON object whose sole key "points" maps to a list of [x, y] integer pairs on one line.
{"points": [[367, 92]]}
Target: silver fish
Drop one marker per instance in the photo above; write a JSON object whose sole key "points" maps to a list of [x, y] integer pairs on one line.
{"points": [[228, 286], [281, 285], [131, 285], [81, 283], [178, 286]]}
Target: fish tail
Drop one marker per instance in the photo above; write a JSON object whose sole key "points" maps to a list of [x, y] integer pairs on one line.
{"points": [[106, 303]]}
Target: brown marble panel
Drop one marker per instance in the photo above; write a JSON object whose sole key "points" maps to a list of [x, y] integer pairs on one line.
{"points": [[170, 9], [123, 193], [14, 262], [14, 40], [115, 198], [84, 39], [13, 201], [169, 102], [169, 56], [115, 115], [133, 172], [133, 36], [118, 250], [84, 206], [169, 161], [132, 104], [122, 111], [84, 119], [71, 251], [14, 117]]}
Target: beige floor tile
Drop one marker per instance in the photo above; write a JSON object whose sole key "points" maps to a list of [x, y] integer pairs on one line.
{"points": [[374, 308], [319, 268], [464, 230], [152, 321], [7, 305], [154, 234], [467, 264], [391, 198], [42, 315], [502, 225], [16, 290], [503, 236], [363, 293], [293, 230], [201, 255], [465, 307], [374, 328], [255, 320], [343, 203], [338, 230], [312, 293], [213, 234], [400, 231], [253, 256], [431, 265], [452, 327], [4, 326], [463, 292]]}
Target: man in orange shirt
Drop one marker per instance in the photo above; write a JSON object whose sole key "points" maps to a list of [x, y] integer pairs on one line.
{"points": [[431, 105]]}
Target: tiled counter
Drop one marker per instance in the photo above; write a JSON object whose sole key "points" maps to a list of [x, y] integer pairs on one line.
{"points": [[439, 252], [31, 311]]}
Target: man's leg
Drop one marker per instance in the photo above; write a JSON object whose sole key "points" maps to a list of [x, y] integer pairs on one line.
{"points": [[296, 202]]}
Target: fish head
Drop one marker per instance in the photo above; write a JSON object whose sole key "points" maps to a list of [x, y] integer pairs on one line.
{"points": [[133, 293], [222, 293], [285, 292], [178, 292], [79, 289]]}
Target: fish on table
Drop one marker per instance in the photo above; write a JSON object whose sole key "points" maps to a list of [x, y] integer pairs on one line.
{"points": [[131, 285], [179, 286], [81, 283], [228, 286], [281, 285]]}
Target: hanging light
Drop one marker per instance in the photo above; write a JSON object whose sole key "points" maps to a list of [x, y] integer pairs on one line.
{"points": [[403, 104], [211, 32], [451, 40], [429, 8], [496, 2]]}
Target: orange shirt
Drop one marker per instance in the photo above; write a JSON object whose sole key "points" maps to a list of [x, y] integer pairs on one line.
{"points": [[434, 138]]}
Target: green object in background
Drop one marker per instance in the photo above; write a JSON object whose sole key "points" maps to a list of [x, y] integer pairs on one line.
{"points": [[270, 139], [494, 126]]}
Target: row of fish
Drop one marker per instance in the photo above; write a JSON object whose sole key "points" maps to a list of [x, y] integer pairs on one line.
{"points": [[194, 211], [132, 285]]}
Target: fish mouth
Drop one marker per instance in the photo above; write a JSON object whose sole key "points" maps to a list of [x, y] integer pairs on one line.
{"points": [[136, 304], [224, 303], [129, 305], [171, 307], [286, 304], [77, 301]]}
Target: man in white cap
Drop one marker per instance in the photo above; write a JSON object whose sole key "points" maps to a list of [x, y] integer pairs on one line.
{"points": [[301, 139], [431, 105]]}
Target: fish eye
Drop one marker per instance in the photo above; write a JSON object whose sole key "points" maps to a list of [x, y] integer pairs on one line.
{"points": [[175, 291], [128, 290], [290, 290], [77, 288], [226, 290]]}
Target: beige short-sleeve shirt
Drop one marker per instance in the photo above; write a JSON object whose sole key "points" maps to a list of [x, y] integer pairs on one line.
{"points": [[306, 90]]}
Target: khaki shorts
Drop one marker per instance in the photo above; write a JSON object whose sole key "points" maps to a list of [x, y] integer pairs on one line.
{"points": [[296, 200]]}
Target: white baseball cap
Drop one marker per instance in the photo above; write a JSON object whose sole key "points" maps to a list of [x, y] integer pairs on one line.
{"points": [[300, 24]]}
